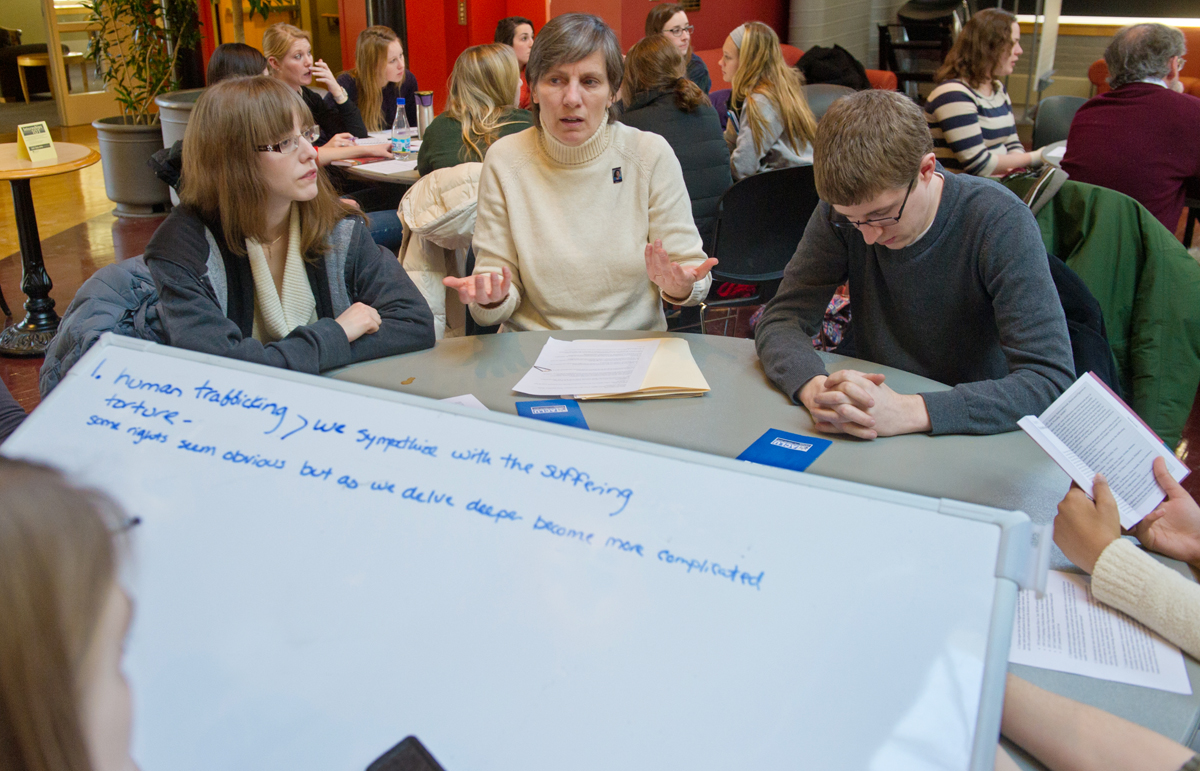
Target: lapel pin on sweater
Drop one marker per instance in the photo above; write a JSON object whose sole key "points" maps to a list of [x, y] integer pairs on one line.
{"points": [[616, 175]]}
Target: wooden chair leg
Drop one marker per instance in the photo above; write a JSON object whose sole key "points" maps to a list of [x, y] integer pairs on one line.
{"points": [[24, 83]]}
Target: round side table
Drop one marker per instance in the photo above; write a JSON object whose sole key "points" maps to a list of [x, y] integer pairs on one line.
{"points": [[31, 335]]}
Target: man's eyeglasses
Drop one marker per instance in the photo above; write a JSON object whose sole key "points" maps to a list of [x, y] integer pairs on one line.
{"points": [[291, 144], [678, 31], [840, 221]]}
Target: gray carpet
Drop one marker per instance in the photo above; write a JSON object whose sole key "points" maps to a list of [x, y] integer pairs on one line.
{"points": [[13, 114]]}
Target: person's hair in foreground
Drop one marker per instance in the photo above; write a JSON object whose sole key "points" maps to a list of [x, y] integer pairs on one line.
{"points": [[369, 73], [654, 64], [985, 41], [867, 143], [483, 91], [506, 29], [58, 567], [232, 60], [279, 38], [1142, 51], [222, 177], [762, 70], [567, 39]]}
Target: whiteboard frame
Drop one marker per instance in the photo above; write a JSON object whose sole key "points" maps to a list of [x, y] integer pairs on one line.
{"points": [[1013, 556]]}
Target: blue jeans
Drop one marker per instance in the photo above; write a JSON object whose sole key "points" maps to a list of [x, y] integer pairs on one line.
{"points": [[386, 228]]}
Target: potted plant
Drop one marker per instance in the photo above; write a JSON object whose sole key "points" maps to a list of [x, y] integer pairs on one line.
{"points": [[136, 48]]}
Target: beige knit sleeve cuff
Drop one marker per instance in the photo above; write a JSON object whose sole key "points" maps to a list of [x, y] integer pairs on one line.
{"points": [[699, 292], [488, 317], [1135, 583]]}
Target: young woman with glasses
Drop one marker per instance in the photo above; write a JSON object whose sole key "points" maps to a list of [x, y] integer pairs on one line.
{"points": [[261, 261], [670, 21]]}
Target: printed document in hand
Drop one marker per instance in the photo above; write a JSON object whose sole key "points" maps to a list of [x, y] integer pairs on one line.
{"points": [[614, 369], [1088, 430], [1056, 154], [1069, 630]]}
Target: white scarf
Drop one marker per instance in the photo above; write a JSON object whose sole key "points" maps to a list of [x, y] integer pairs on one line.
{"points": [[276, 314]]}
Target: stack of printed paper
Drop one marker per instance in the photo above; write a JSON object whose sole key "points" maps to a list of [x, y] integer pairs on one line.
{"points": [[614, 369]]}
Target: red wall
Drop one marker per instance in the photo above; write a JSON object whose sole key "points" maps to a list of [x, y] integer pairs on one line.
{"points": [[353, 20]]}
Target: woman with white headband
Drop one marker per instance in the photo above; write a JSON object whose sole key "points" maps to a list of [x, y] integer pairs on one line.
{"points": [[770, 125]]}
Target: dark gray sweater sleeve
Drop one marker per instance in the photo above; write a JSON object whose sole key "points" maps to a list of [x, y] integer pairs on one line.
{"points": [[193, 320], [374, 277], [793, 317], [1033, 335]]}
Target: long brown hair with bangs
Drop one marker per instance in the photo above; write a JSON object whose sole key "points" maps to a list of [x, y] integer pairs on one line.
{"points": [[985, 40], [222, 178], [58, 561], [655, 64]]}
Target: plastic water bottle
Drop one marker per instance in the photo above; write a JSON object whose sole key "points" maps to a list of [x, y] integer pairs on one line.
{"points": [[401, 134]]}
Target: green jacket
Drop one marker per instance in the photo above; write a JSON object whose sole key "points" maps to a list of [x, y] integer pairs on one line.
{"points": [[443, 146], [1148, 287]]}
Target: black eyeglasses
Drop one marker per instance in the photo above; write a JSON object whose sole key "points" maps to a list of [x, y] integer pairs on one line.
{"points": [[841, 221], [678, 31], [291, 144]]}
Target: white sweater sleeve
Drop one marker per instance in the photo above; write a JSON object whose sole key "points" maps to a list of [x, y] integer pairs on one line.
{"points": [[1135, 583], [493, 246], [671, 218]]}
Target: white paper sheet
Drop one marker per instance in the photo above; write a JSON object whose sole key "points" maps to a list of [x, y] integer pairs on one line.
{"points": [[391, 167], [588, 367], [466, 400], [1068, 630], [372, 140], [1056, 154]]}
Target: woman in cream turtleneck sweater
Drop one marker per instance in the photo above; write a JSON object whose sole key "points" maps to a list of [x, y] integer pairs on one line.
{"points": [[583, 223]]}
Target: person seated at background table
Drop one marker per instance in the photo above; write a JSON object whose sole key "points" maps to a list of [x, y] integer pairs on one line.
{"points": [[583, 223], [1141, 138], [378, 79], [969, 113], [770, 125], [516, 32], [289, 55], [659, 98], [671, 21], [480, 109], [949, 280], [1124, 576], [64, 701], [261, 262]]}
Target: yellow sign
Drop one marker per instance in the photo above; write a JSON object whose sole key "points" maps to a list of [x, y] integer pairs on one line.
{"points": [[34, 142]]}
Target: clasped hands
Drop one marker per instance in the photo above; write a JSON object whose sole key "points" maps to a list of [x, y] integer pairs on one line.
{"points": [[675, 280], [1086, 526], [860, 404]]}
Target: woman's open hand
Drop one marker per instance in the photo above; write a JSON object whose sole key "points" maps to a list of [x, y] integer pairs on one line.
{"points": [[673, 279], [1173, 527], [482, 288]]}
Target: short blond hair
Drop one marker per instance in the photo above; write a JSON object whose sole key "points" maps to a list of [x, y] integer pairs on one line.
{"points": [[867, 143]]}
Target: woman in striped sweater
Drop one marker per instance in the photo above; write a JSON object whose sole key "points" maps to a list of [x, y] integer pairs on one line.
{"points": [[969, 113]]}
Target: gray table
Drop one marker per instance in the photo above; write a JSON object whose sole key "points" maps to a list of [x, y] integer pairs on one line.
{"points": [[1007, 471]]}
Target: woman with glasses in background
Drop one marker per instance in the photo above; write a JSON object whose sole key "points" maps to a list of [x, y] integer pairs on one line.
{"points": [[261, 261], [670, 21]]}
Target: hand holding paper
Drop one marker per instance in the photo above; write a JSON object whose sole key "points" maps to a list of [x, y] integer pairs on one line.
{"points": [[1083, 529], [1173, 528]]}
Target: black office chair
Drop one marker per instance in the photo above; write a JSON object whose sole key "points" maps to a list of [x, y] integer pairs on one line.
{"points": [[820, 95], [914, 51], [1052, 122], [759, 223]]}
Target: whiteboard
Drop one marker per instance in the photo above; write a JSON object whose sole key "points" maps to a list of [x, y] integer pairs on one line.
{"points": [[323, 568]]}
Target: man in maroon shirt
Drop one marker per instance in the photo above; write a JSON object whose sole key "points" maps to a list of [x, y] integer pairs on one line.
{"points": [[1143, 137]]}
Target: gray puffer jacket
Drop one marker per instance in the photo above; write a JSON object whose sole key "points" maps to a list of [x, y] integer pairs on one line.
{"points": [[119, 298]]}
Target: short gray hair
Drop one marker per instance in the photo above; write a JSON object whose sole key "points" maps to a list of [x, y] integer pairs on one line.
{"points": [[570, 38], [1142, 51]]}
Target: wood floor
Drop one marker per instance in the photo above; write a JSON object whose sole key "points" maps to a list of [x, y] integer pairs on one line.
{"points": [[80, 235]]}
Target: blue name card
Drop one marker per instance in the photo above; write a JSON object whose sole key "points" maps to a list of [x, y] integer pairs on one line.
{"points": [[564, 411], [783, 450]]}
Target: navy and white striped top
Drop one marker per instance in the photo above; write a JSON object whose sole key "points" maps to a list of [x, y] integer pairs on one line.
{"points": [[971, 131]]}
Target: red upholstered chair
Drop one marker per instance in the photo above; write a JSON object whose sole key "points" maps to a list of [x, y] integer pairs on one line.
{"points": [[712, 59]]}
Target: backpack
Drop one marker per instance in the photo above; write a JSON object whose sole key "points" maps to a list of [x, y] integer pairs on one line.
{"points": [[833, 65]]}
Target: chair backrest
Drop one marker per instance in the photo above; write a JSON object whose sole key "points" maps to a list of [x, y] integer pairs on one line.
{"points": [[1053, 120], [821, 95], [759, 223]]}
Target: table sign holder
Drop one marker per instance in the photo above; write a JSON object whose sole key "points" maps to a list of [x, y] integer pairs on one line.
{"points": [[34, 142]]}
